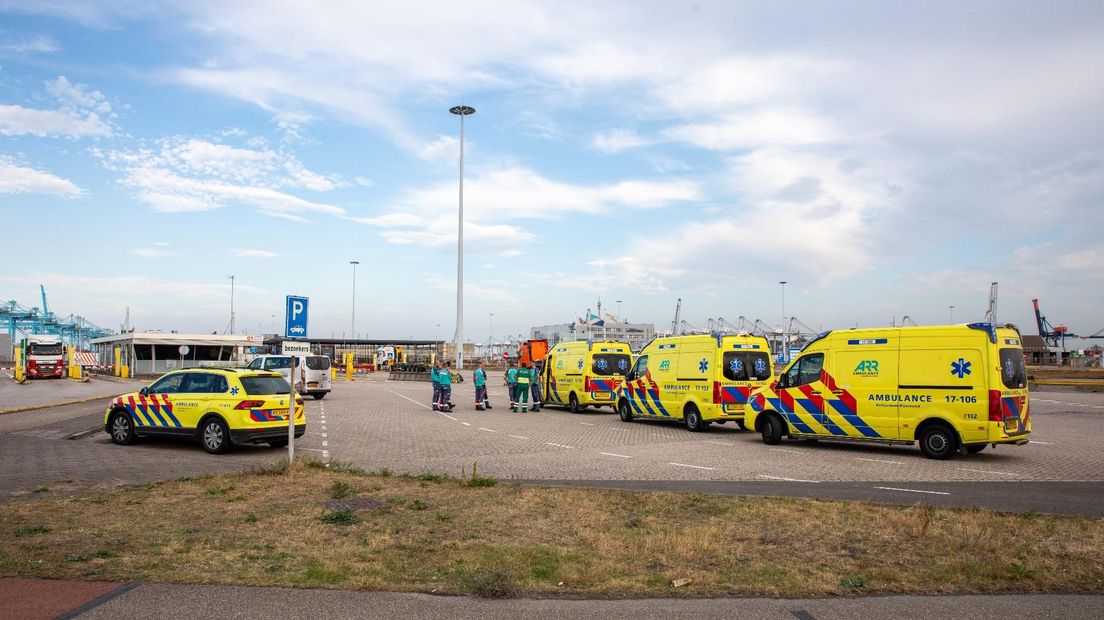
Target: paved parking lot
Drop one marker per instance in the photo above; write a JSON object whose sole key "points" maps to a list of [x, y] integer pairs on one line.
{"points": [[375, 423], [379, 423]]}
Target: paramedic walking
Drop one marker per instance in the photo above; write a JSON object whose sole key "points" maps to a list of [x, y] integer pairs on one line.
{"points": [[479, 377], [511, 384]]}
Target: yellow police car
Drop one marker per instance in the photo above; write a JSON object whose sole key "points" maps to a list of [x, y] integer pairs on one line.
{"points": [[219, 407]]}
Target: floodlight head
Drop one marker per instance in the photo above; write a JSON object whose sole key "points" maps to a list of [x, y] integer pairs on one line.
{"points": [[462, 110]]}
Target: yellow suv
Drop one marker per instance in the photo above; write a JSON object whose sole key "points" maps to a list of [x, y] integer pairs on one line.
{"points": [[218, 406]]}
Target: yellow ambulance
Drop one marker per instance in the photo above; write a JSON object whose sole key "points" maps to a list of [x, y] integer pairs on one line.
{"points": [[584, 373], [698, 379], [954, 389]]}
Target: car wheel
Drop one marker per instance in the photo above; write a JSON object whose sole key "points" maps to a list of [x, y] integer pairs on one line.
{"points": [[319, 396], [693, 419], [573, 403], [278, 443], [772, 429], [974, 449], [214, 436], [938, 442], [624, 411], [122, 429]]}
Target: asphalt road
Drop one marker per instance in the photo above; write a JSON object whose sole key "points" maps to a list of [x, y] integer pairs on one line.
{"points": [[150, 601], [375, 423]]}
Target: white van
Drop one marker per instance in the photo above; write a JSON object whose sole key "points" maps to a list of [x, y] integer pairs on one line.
{"points": [[313, 376]]}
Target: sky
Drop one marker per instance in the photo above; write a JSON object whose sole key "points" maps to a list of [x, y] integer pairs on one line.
{"points": [[884, 159]]}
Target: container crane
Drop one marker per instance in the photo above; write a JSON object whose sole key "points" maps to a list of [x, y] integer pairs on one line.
{"points": [[1053, 335]]}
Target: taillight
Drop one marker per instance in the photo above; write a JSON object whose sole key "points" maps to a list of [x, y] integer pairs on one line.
{"points": [[586, 383], [716, 392], [32, 364], [995, 412], [250, 404]]}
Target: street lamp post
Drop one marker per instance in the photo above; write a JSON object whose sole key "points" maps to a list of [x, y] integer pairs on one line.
{"points": [[231, 304], [785, 356], [461, 111], [619, 311], [952, 313], [354, 263]]}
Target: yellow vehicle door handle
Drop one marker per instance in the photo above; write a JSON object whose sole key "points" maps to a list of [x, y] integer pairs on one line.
{"points": [[837, 392]]}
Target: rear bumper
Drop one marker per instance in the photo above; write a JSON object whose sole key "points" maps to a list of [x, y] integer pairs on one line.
{"points": [[261, 435]]}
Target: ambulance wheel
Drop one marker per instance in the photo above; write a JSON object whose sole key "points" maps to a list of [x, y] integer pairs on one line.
{"points": [[214, 436], [573, 403], [318, 396], [624, 411], [974, 449], [772, 429], [693, 419], [122, 429], [937, 441]]}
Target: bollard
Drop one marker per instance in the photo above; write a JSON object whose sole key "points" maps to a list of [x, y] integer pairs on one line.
{"points": [[124, 371], [348, 366], [118, 361], [20, 373]]}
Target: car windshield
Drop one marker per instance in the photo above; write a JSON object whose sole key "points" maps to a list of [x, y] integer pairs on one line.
{"points": [[610, 364], [265, 385], [318, 362], [1013, 372]]}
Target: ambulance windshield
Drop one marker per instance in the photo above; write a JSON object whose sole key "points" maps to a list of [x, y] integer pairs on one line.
{"points": [[607, 364]]}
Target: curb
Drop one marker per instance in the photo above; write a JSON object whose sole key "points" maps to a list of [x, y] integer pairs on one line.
{"points": [[60, 403]]}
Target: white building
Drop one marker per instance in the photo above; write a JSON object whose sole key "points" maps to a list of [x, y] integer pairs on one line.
{"points": [[635, 334]]}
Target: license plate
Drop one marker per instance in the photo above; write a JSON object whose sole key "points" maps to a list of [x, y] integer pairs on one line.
{"points": [[1011, 424], [601, 395], [734, 408], [312, 384]]}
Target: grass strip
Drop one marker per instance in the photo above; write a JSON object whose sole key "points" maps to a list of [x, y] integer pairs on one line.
{"points": [[440, 534]]}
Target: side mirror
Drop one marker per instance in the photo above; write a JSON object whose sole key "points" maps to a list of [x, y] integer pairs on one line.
{"points": [[144, 391]]}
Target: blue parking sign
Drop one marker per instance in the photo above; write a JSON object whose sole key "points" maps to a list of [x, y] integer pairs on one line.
{"points": [[296, 324]]}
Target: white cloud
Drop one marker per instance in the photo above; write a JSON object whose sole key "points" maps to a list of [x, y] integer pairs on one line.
{"points": [[136, 286], [17, 120], [152, 252], [756, 129], [498, 292], [421, 216], [17, 179], [80, 113], [38, 44], [444, 148], [617, 140], [192, 174], [253, 253]]}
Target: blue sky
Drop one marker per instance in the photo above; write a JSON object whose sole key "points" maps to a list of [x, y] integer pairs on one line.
{"points": [[883, 158]]}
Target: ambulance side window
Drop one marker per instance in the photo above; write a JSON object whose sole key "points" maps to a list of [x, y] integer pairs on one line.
{"points": [[639, 368], [255, 364], [169, 384], [805, 370], [810, 368]]}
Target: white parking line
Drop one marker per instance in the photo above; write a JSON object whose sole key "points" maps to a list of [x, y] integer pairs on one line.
{"points": [[879, 461], [420, 404], [488, 430], [719, 443], [912, 490], [788, 479], [558, 445], [325, 444], [790, 451], [621, 456], [586, 423], [518, 437], [693, 466], [1043, 443], [465, 424], [986, 471]]}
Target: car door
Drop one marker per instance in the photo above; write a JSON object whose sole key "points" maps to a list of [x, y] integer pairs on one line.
{"points": [[159, 404], [799, 396]]}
